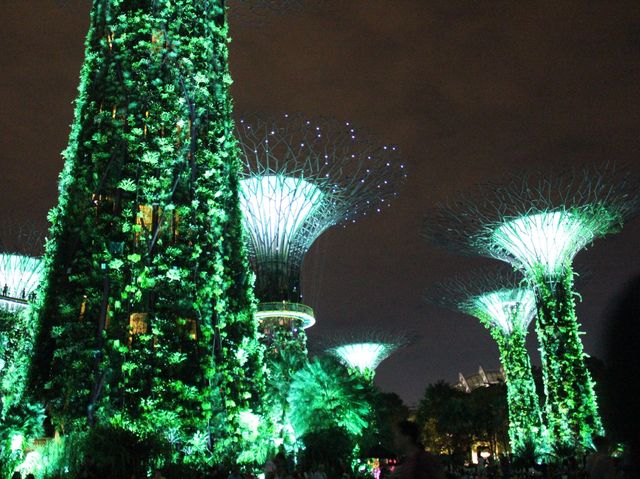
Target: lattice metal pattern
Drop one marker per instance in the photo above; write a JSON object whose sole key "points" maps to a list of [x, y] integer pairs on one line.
{"points": [[537, 220], [499, 298], [364, 350], [363, 356], [300, 178]]}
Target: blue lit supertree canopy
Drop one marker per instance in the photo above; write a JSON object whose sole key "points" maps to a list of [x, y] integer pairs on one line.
{"points": [[505, 305], [302, 176], [538, 223]]}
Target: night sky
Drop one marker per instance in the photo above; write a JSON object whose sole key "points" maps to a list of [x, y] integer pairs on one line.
{"points": [[468, 90]]}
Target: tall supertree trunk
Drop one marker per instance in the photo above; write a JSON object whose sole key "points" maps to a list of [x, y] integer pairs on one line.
{"points": [[146, 310], [570, 407], [525, 419]]}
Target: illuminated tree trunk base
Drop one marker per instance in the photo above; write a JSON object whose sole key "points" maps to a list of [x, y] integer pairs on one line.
{"points": [[571, 408], [525, 418], [146, 319]]}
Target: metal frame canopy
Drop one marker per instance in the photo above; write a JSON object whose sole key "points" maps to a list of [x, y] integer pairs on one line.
{"points": [[365, 350], [499, 298], [302, 176], [537, 220], [363, 356]]}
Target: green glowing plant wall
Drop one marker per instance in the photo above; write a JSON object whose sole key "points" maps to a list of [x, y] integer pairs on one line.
{"points": [[538, 223], [506, 309], [571, 408], [146, 320], [525, 418]]}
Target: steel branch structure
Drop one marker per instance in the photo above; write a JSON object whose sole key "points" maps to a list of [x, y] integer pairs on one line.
{"points": [[302, 176], [506, 308], [363, 351], [538, 223]]}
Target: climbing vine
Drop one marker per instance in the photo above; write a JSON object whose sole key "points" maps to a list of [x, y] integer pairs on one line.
{"points": [[571, 409], [525, 418]]}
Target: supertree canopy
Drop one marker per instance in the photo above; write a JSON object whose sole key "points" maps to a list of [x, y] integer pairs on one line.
{"points": [[363, 351], [146, 319], [506, 308], [538, 223], [302, 176]]}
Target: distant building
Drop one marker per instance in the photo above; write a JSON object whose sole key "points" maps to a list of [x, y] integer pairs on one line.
{"points": [[482, 379]]}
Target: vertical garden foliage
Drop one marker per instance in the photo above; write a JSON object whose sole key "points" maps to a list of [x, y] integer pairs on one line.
{"points": [[146, 316], [571, 408], [525, 419]]}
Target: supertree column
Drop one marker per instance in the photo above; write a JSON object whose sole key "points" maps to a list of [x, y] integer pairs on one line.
{"points": [[363, 351], [145, 321], [301, 177], [538, 223], [506, 308]]}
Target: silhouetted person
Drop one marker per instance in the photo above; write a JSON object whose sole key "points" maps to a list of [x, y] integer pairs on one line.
{"points": [[418, 463]]}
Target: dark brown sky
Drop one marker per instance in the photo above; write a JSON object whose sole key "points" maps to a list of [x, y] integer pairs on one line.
{"points": [[469, 90]]}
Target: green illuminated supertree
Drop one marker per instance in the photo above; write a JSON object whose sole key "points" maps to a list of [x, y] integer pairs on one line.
{"points": [[506, 308], [146, 319], [300, 178], [363, 351], [538, 223]]}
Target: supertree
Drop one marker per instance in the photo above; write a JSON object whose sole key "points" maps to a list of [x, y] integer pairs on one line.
{"points": [[505, 307], [302, 176], [363, 350], [145, 322], [538, 223]]}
